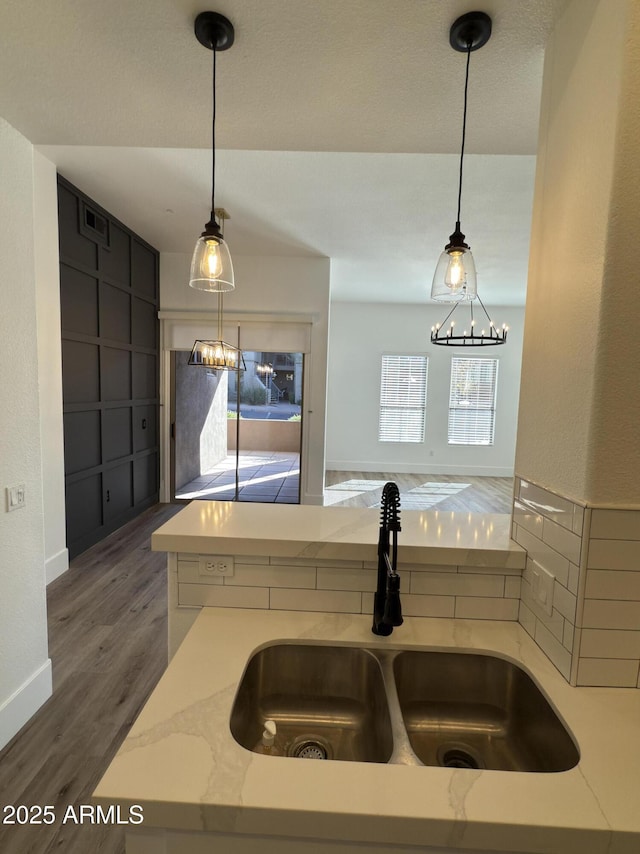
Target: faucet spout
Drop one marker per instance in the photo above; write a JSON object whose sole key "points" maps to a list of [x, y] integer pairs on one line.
{"points": [[387, 610]]}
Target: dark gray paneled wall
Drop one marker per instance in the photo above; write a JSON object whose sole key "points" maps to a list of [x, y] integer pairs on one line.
{"points": [[110, 364]]}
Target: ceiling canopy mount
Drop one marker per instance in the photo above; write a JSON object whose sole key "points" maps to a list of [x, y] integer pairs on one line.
{"points": [[470, 32], [214, 31]]}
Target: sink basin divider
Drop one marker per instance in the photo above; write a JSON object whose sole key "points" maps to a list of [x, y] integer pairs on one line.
{"points": [[402, 751]]}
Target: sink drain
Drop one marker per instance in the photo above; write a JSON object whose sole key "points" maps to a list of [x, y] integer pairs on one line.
{"points": [[458, 756], [309, 747]]}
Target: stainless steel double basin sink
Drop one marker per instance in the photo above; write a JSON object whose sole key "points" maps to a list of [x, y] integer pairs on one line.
{"points": [[412, 707]]}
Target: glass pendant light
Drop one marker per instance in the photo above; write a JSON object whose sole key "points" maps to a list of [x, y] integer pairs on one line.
{"points": [[455, 277], [211, 266], [217, 354]]}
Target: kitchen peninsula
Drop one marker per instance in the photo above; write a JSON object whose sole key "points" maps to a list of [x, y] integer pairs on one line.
{"points": [[307, 558], [202, 791]]}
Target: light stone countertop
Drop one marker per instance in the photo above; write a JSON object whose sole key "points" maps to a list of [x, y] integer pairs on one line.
{"points": [[342, 533], [182, 764]]}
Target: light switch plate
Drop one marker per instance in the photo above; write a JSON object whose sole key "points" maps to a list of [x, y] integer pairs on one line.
{"points": [[542, 586], [15, 497]]}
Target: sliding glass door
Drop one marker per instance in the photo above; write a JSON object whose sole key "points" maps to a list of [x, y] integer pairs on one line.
{"points": [[237, 435]]}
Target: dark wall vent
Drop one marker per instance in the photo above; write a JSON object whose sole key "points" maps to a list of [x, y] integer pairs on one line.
{"points": [[94, 226]]}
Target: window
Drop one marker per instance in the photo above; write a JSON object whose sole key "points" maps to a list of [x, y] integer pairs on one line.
{"points": [[472, 401], [403, 398]]}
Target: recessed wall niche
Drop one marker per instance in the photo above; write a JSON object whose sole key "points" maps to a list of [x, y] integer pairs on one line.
{"points": [[109, 310]]}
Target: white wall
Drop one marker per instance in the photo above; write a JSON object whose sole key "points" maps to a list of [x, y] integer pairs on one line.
{"points": [[580, 407], [272, 286], [47, 272], [359, 335], [25, 669]]}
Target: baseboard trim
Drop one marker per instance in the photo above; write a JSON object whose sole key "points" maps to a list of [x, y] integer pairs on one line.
{"points": [[56, 566], [25, 702], [420, 468], [311, 498]]}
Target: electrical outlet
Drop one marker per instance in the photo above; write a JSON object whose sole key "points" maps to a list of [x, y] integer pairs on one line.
{"points": [[216, 565], [542, 587], [15, 497]]}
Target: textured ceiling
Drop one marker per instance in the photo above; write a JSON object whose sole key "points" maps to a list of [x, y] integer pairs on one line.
{"points": [[365, 95]]}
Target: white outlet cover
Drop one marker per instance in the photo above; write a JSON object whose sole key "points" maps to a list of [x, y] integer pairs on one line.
{"points": [[216, 565], [543, 584]]}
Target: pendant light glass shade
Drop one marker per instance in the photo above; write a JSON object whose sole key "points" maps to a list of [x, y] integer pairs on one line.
{"points": [[211, 266], [455, 277]]}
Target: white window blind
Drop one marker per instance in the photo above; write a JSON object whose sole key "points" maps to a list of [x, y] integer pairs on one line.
{"points": [[403, 398], [472, 401]]}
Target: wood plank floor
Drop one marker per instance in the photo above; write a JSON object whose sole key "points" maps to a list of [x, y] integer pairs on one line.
{"points": [[107, 641], [482, 495]]}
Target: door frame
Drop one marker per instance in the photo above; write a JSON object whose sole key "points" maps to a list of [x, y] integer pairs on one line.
{"points": [[177, 327]]}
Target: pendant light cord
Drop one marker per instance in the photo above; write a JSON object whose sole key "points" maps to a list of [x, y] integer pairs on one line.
{"points": [[213, 139], [464, 134]]}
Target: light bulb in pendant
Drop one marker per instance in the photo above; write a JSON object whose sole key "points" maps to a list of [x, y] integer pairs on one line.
{"points": [[211, 267], [454, 276], [212, 258]]}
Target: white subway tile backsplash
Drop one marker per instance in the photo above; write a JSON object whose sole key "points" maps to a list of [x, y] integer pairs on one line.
{"points": [[568, 636], [254, 575], [545, 555], [615, 524], [223, 596], [422, 567], [344, 602], [512, 588], [554, 622], [349, 579], [261, 559], [593, 633], [610, 643], [574, 577], [609, 613], [614, 554], [608, 672], [562, 540], [527, 619], [547, 504], [612, 584], [428, 606], [578, 519], [564, 602], [314, 561], [493, 570], [457, 584], [477, 608], [528, 519], [560, 656]]}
